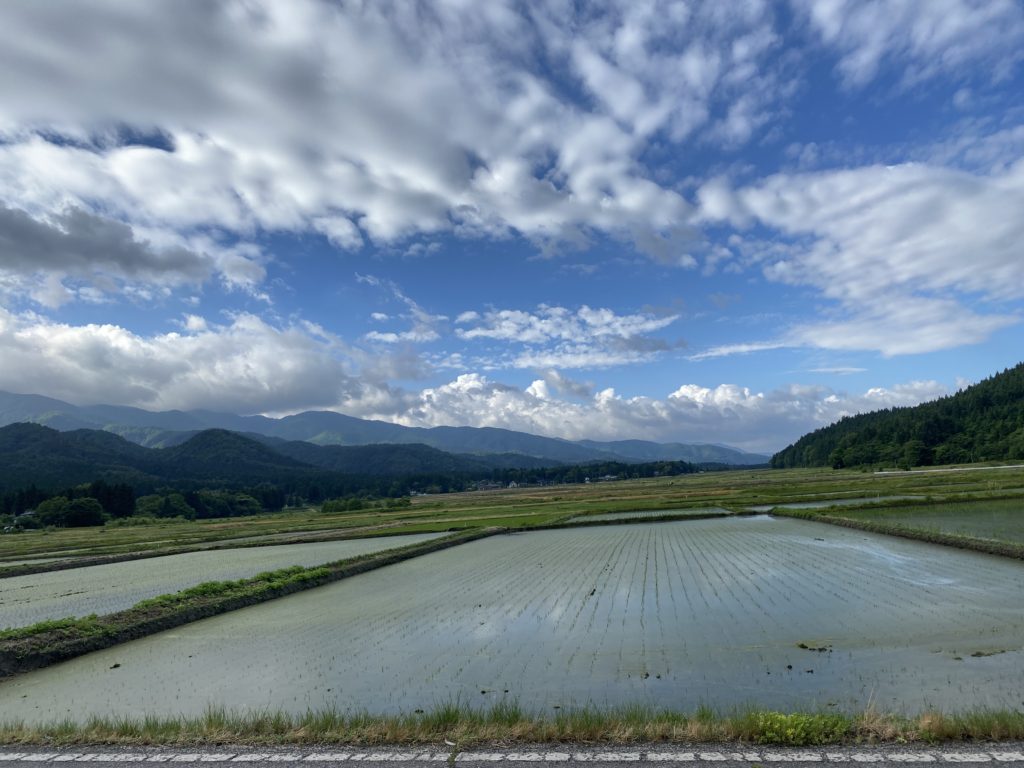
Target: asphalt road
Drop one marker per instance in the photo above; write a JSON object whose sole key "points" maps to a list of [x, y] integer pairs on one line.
{"points": [[562, 756]]}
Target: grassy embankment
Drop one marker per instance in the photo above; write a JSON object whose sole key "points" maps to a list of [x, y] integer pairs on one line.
{"points": [[508, 724], [26, 648]]}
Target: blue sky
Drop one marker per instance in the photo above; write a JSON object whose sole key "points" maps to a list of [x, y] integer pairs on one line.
{"points": [[691, 221]]}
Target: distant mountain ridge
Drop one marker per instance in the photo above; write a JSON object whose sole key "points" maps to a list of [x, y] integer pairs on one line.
{"points": [[169, 428], [32, 454], [984, 422]]}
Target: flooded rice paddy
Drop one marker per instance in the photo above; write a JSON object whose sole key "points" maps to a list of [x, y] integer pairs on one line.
{"points": [[1002, 520], [100, 589], [648, 513], [674, 614]]}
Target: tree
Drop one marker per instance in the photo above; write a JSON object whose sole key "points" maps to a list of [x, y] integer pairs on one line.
{"points": [[53, 511], [83, 512]]}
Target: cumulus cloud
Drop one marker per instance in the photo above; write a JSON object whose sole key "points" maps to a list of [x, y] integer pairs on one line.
{"points": [[899, 249], [245, 365], [248, 365], [756, 421], [926, 38]]}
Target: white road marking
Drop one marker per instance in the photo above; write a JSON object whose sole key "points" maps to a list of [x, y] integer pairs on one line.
{"points": [[672, 757], [795, 757], [910, 757], [965, 757], [127, 757], [250, 757], [333, 757], [1008, 757]]}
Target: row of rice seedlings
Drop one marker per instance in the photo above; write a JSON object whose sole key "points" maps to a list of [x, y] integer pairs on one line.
{"points": [[560, 611], [103, 589]]}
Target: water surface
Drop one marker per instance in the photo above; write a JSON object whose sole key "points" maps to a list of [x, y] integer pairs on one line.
{"points": [[676, 615], [113, 587]]}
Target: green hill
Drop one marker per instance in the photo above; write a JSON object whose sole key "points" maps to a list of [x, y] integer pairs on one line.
{"points": [[31, 454], [984, 422]]}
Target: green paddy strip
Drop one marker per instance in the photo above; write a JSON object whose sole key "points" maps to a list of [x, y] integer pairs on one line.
{"points": [[508, 724], [987, 546], [39, 645]]}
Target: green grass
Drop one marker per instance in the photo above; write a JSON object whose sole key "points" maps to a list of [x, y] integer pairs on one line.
{"points": [[507, 723]]}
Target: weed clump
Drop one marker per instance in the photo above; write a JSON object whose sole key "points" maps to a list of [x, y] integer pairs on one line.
{"points": [[798, 729]]}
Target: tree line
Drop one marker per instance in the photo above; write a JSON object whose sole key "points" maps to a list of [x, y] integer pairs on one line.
{"points": [[984, 422]]}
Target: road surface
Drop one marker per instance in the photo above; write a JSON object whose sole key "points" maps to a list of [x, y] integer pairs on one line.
{"points": [[560, 756]]}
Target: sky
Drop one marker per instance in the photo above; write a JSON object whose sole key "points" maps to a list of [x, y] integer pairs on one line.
{"points": [[677, 221]]}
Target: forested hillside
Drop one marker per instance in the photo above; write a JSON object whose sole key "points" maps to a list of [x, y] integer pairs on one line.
{"points": [[984, 422]]}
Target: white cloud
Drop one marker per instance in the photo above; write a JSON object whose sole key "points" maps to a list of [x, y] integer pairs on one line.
{"points": [[415, 336], [756, 421], [927, 38], [245, 365], [376, 121], [424, 324], [73, 253], [558, 337], [551, 323], [901, 251]]}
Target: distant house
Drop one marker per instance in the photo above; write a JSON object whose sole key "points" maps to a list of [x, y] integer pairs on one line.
{"points": [[488, 485]]}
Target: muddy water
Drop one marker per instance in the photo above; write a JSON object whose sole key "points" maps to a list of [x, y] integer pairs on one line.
{"points": [[674, 614], [113, 587]]}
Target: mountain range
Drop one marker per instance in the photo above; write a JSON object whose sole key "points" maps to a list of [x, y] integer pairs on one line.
{"points": [[31, 454], [502, 447]]}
